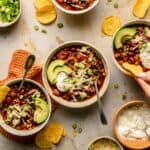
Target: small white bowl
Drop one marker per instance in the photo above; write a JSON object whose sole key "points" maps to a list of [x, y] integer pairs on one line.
{"points": [[24, 133], [136, 22], [75, 12], [8, 24], [60, 100], [105, 137]]}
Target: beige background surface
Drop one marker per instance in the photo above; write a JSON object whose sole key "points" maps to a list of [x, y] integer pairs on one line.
{"points": [[86, 28]]}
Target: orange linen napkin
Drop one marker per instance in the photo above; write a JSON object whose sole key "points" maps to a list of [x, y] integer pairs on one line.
{"points": [[16, 70]]}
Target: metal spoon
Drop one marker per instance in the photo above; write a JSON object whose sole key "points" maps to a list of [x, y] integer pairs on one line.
{"points": [[29, 63], [101, 112]]}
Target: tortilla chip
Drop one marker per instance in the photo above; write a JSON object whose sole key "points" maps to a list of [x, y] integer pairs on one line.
{"points": [[42, 141], [42, 3], [3, 92], [110, 25], [50, 135], [46, 15], [134, 69], [140, 8]]}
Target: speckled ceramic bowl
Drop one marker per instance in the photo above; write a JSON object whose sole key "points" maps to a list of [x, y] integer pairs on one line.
{"points": [[62, 101], [136, 22], [33, 131], [131, 144], [105, 137]]}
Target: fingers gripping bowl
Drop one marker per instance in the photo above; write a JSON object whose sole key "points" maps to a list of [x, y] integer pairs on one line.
{"points": [[131, 47], [70, 71], [25, 112]]}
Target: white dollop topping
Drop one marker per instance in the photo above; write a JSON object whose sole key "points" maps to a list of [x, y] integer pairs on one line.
{"points": [[134, 122], [61, 84], [145, 56]]}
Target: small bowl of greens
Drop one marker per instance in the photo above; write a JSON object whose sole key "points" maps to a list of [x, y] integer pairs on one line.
{"points": [[10, 11], [24, 111]]}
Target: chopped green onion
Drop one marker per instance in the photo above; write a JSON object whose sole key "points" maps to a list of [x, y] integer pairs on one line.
{"points": [[36, 27], [116, 85], [60, 25], [74, 126], [116, 5], [124, 96], [79, 130], [43, 31]]}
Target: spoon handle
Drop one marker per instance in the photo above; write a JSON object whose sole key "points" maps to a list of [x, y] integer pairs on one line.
{"points": [[28, 65], [101, 112]]}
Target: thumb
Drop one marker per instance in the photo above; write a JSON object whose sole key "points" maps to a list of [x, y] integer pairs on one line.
{"points": [[145, 76]]}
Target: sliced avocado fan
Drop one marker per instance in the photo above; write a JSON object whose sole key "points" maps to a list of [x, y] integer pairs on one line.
{"points": [[41, 111], [128, 32], [55, 68]]}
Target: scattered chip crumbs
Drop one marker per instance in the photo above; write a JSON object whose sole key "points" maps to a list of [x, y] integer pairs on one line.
{"points": [[140, 8], [45, 11], [110, 25], [76, 129], [135, 70], [50, 135], [3, 92]]}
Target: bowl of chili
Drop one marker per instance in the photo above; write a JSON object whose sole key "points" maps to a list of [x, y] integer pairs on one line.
{"points": [[75, 7], [26, 111], [131, 44], [70, 72]]}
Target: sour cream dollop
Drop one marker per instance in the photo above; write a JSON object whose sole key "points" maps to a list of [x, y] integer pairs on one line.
{"points": [[145, 56]]}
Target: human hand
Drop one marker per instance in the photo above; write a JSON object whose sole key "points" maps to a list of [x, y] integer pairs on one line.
{"points": [[144, 81]]}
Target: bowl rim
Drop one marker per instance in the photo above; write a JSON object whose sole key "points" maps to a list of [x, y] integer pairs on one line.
{"points": [[33, 131], [60, 100], [72, 12], [115, 118], [7, 24], [133, 22], [105, 137]]}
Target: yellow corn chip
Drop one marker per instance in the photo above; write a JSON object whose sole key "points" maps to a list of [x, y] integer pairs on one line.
{"points": [[42, 3], [140, 8], [52, 134], [3, 92], [46, 15], [110, 25], [134, 69]]}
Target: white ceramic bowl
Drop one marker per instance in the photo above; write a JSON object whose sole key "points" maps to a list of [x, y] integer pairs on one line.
{"points": [[60, 100], [8, 24], [33, 131], [105, 137], [75, 12], [145, 22]]}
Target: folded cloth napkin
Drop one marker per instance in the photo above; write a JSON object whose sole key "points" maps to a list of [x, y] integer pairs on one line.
{"points": [[16, 70]]}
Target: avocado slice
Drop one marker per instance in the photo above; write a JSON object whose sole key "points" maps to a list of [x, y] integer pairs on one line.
{"points": [[128, 32], [41, 111], [64, 68], [52, 67]]}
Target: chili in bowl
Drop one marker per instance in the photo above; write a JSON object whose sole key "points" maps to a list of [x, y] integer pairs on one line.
{"points": [[131, 45], [70, 72], [75, 7], [25, 112]]}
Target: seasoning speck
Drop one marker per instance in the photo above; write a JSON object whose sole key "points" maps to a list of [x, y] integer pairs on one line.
{"points": [[60, 25]]}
